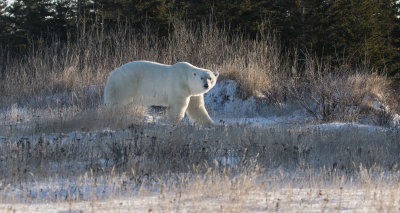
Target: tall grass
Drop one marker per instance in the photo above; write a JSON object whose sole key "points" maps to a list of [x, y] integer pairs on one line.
{"points": [[57, 88], [56, 67], [74, 72], [340, 93], [154, 149]]}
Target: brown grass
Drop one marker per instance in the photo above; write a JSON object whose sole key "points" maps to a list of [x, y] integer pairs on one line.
{"points": [[252, 190], [57, 89], [58, 68], [339, 94], [154, 149], [260, 67]]}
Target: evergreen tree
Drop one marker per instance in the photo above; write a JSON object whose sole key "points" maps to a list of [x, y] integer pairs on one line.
{"points": [[37, 23], [17, 25], [4, 36], [316, 20], [286, 22], [4, 23], [63, 18], [395, 40], [135, 13], [361, 30], [113, 12], [356, 30], [29, 20], [154, 13]]}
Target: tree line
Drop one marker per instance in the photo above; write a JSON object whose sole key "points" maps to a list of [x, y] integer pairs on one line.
{"points": [[358, 31]]}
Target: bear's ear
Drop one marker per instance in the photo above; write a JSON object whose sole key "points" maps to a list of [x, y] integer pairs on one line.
{"points": [[216, 74]]}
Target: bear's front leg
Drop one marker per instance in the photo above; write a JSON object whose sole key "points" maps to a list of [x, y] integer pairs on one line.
{"points": [[177, 108], [196, 111]]}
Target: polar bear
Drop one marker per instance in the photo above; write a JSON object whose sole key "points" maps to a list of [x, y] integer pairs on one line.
{"points": [[180, 87]]}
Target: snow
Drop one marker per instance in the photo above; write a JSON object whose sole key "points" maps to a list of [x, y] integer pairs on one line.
{"points": [[224, 99], [225, 106], [257, 198], [396, 120], [338, 126]]}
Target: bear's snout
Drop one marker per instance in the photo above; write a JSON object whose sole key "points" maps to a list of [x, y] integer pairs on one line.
{"points": [[205, 86]]}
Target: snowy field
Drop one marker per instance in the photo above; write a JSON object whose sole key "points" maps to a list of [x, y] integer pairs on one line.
{"points": [[254, 199], [258, 158], [272, 191]]}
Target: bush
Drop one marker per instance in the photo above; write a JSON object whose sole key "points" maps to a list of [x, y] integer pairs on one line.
{"points": [[337, 94]]}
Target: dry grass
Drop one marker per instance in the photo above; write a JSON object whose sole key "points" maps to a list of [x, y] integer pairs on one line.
{"points": [[262, 69], [216, 190], [154, 149], [63, 119], [143, 166], [69, 71], [340, 94], [63, 68]]}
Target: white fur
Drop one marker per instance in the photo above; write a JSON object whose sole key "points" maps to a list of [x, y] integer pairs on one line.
{"points": [[179, 87]]}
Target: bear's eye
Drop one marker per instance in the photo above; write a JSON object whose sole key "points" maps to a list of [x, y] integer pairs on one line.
{"points": [[202, 78], [194, 74]]}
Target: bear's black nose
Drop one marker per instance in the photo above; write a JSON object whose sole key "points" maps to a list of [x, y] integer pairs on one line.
{"points": [[206, 86]]}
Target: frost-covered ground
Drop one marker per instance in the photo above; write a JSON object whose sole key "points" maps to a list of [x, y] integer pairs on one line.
{"points": [[227, 107], [283, 135], [284, 200], [274, 192]]}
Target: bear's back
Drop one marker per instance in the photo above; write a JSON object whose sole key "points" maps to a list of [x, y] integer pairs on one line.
{"points": [[145, 66]]}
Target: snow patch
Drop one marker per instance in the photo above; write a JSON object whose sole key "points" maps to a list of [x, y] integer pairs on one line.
{"points": [[224, 99], [338, 126]]}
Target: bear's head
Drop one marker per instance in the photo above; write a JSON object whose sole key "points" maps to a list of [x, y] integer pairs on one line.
{"points": [[203, 80], [200, 80]]}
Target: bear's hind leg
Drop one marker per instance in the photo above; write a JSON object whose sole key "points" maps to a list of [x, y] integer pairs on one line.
{"points": [[197, 111]]}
